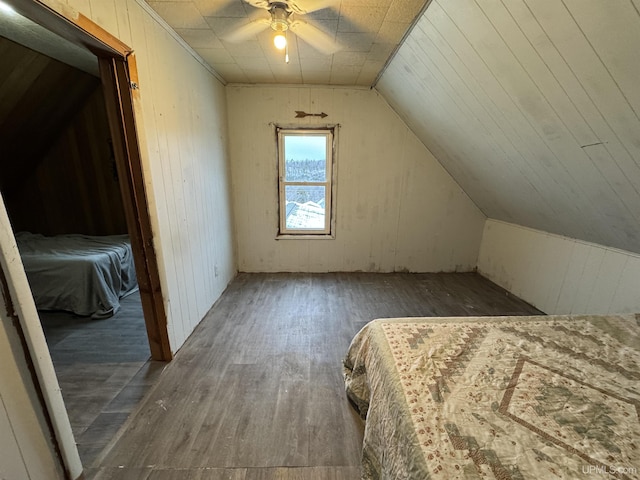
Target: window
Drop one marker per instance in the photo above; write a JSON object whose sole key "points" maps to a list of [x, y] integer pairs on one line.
{"points": [[305, 159]]}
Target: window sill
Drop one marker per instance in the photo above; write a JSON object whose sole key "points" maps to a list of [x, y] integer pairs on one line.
{"points": [[306, 236]]}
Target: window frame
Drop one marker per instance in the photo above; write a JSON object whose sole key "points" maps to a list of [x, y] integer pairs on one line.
{"points": [[328, 231]]}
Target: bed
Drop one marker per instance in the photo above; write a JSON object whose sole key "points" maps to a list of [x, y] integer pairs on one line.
{"points": [[498, 397], [86, 275]]}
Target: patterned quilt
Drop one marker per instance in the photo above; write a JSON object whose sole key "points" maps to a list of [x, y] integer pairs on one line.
{"points": [[537, 397]]}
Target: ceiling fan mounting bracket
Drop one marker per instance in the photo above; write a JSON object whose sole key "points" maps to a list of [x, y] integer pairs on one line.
{"points": [[290, 6]]}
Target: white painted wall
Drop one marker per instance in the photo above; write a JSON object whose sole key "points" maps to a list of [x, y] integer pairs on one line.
{"points": [[397, 209], [182, 124], [26, 446], [560, 275], [26, 450]]}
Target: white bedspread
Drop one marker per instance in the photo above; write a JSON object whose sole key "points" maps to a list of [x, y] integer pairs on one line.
{"points": [[86, 275]]}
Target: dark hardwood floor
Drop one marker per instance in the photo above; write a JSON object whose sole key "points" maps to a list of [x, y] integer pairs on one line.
{"points": [[103, 369], [256, 392]]}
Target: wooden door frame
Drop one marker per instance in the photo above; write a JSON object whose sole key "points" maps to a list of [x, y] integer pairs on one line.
{"points": [[117, 66], [116, 73]]}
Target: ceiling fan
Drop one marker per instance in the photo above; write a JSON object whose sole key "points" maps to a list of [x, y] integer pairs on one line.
{"points": [[283, 17]]}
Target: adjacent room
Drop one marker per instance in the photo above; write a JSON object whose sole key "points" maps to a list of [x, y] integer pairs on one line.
{"points": [[347, 239], [62, 195]]}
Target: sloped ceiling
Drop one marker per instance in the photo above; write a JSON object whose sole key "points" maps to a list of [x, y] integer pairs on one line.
{"points": [[38, 97], [534, 107]]}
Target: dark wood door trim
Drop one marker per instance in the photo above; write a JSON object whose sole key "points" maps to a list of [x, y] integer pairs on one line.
{"points": [[117, 91]]}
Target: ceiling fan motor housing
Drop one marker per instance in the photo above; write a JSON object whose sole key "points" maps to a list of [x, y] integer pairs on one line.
{"points": [[279, 16]]}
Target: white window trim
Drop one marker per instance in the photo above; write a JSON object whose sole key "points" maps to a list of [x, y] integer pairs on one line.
{"points": [[330, 218]]}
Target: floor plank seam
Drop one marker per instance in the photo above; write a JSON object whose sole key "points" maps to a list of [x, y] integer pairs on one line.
{"points": [[123, 428]]}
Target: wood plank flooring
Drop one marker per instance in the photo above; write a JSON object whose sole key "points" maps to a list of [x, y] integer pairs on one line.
{"points": [[103, 369], [257, 392]]}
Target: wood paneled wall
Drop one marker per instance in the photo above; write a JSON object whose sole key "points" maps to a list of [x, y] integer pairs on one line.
{"points": [[560, 275], [26, 448], [74, 188], [181, 117], [397, 208]]}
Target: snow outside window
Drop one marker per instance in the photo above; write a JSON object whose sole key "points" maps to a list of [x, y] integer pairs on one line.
{"points": [[305, 159]]}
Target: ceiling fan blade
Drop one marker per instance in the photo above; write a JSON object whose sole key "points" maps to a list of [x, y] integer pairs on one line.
{"points": [[315, 37], [246, 31], [266, 4], [307, 6]]}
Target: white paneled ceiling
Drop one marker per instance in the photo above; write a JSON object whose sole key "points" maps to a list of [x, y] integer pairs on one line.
{"points": [[534, 107], [368, 32]]}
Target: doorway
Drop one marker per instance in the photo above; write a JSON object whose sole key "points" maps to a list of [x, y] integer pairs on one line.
{"points": [[117, 73], [116, 70]]}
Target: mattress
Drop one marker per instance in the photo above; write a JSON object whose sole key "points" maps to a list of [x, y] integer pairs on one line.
{"points": [[86, 275]]}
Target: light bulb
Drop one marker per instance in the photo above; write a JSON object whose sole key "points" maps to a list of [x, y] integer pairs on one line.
{"points": [[280, 41]]}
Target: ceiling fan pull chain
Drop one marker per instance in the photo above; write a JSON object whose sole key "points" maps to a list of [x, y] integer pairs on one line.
{"points": [[286, 49]]}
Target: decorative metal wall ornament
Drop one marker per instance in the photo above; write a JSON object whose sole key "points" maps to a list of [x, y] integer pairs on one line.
{"points": [[301, 114]]}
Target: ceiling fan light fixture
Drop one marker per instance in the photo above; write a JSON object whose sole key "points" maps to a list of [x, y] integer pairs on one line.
{"points": [[280, 41]]}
